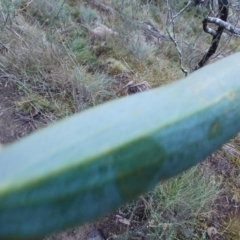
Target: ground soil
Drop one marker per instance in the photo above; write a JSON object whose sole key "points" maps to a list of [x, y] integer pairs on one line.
{"points": [[11, 125], [107, 226]]}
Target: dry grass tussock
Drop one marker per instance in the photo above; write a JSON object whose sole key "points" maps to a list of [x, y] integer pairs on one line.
{"points": [[40, 68], [48, 72]]}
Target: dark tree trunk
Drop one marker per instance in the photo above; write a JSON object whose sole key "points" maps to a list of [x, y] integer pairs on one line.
{"points": [[223, 15]]}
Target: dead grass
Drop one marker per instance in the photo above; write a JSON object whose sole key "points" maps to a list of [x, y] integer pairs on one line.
{"points": [[231, 226]]}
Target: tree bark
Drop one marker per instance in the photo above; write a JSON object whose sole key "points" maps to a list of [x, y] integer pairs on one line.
{"points": [[223, 24], [223, 15]]}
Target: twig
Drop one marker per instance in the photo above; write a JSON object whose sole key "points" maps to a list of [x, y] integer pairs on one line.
{"points": [[125, 87], [179, 52], [5, 22], [26, 5], [7, 49], [28, 118], [150, 29], [182, 10], [102, 6]]}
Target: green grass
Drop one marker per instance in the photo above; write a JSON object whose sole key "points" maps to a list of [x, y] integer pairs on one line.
{"points": [[82, 52], [175, 208]]}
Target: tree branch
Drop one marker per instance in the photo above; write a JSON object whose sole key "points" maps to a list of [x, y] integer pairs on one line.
{"points": [[222, 24], [151, 30], [182, 10], [223, 13], [207, 29], [179, 52], [102, 6]]}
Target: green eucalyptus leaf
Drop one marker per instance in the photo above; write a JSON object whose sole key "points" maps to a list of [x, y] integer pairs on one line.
{"points": [[89, 164]]}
